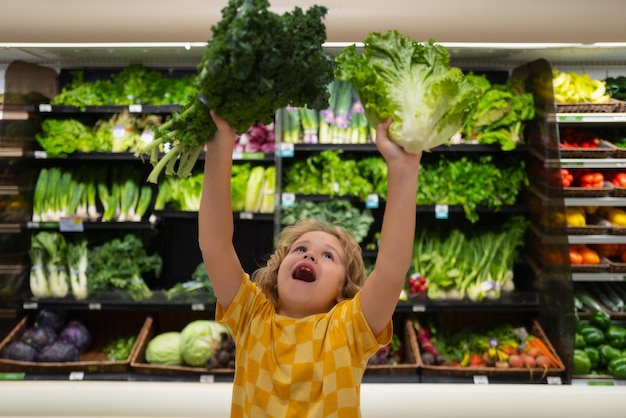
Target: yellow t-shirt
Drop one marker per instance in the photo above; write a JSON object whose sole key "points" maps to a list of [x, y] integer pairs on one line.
{"points": [[307, 367]]}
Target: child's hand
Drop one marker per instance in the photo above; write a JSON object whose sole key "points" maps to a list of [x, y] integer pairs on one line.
{"points": [[392, 152], [224, 130]]}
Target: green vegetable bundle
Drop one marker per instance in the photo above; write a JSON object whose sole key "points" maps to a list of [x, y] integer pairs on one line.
{"points": [[255, 63], [411, 82]]}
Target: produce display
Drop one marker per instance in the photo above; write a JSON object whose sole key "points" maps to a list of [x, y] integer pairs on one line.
{"points": [[574, 87], [601, 296], [63, 267], [501, 113], [122, 132], [252, 190], [200, 343], [133, 84], [503, 347], [102, 194], [600, 347], [246, 76], [397, 76], [455, 263], [343, 122]]}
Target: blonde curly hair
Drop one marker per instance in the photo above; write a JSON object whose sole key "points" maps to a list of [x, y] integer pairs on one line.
{"points": [[266, 277]]}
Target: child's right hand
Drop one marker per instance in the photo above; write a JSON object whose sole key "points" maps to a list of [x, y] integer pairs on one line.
{"points": [[224, 130]]}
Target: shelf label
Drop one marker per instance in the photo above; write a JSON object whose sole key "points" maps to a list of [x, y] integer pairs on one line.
{"points": [[554, 380], [77, 375], [197, 307], [287, 199], [418, 308], [372, 201], [207, 378], [29, 305], [569, 118], [237, 155], [135, 108], [45, 107], [441, 211], [94, 306], [481, 380], [71, 224], [40, 155], [246, 215], [286, 150], [12, 376]]}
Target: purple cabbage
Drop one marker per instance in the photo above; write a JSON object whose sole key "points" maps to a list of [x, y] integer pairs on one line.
{"points": [[77, 334], [59, 351], [19, 350], [39, 336]]}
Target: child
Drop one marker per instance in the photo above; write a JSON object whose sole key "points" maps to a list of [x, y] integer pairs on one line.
{"points": [[307, 323]]}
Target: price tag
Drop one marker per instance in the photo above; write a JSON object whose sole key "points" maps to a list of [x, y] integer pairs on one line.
{"points": [[77, 375], [570, 118], [481, 380], [246, 215], [418, 308], [45, 107], [29, 305], [71, 224], [32, 225], [287, 199], [554, 380], [136, 108], [207, 378], [372, 201], [147, 136], [286, 150], [197, 307], [40, 155], [94, 306], [441, 211]]}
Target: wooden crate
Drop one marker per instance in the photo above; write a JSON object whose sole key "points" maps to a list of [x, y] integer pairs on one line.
{"points": [[138, 362], [409, 365], [526, 373], [103, 326]]}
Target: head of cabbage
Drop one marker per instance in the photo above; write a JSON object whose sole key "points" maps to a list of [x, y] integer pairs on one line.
{"points": [[395, 76], [200, 340], [164, 349]]}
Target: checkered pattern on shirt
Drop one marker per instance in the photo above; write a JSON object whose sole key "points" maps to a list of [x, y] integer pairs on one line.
{"points": [[308, 367]]}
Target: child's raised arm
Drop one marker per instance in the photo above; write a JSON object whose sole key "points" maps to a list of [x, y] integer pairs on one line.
{"points": [[380, 293], [215, 217]]}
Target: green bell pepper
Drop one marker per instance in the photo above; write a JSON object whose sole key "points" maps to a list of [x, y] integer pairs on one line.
{"points": [[608, 353], [582, 364], [594, 356], [593, 335], [579, 341], [616, 336], [617, 367], [601, 320]]}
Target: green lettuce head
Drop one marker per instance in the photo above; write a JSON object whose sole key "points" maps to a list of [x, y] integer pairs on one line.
{"points": [[413, 83]]}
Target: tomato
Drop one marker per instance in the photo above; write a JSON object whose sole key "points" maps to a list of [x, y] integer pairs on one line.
{"points": [[619, 179], [589, 256], [607, 250], [575, 257]]}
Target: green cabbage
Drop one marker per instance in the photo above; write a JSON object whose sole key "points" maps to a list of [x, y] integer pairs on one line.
{"points": [[412, 82], [164, 349], [200, 340]]}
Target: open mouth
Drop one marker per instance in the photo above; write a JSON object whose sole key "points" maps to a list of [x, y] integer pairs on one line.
{"points": [[304, 273]]}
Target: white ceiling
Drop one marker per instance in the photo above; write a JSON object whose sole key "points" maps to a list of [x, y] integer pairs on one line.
{"points": [[503, 21]]}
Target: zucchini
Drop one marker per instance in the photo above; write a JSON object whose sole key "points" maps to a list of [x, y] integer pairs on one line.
{"points": [[587, 300], [609, 290], [599, 292]]}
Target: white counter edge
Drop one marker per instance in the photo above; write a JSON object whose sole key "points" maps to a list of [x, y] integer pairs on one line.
{"points": [[211, 400]]}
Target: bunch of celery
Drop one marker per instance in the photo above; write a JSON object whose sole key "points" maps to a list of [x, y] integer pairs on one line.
{"points": [[343, 122], [467, 262]]}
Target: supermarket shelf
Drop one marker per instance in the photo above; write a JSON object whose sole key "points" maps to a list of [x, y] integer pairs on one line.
{"points": [[595, 201], [593, 162], [567, 118], [599, 277], [596, 239]]}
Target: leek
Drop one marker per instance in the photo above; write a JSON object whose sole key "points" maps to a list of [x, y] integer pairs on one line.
{"points": [[40, 194], [143, 203]]}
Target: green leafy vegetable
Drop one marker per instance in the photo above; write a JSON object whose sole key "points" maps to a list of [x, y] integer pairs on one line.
{"points": [[411, 82], [246, 75]]}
